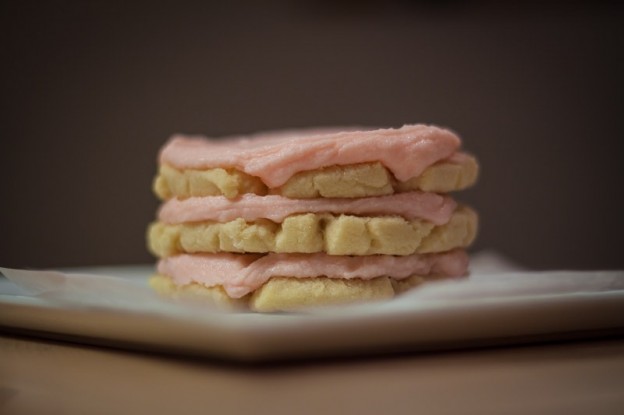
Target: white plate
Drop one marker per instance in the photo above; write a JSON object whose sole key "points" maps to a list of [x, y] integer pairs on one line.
{"points": [[487, 309]]}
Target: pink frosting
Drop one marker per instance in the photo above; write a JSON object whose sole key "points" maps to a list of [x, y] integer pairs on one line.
{"points": [[275, 157], [411, 205], [240, 274]]}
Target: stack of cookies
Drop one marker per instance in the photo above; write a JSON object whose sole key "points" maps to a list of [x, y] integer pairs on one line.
{"points": [[293, 219]]}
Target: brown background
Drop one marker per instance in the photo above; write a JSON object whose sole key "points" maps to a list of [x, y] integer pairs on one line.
{"points": [[90, 92]]}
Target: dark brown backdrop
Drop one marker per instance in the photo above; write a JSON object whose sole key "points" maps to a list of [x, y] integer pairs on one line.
{"points": [[90, 92]]}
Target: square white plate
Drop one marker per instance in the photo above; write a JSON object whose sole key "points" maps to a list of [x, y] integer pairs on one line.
{"points": [[486, 309]]}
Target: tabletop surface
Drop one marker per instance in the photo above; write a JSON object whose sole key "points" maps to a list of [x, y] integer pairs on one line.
{"points": [[45, 376]]}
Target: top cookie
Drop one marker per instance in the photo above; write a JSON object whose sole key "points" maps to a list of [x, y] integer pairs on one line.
{"points": [[316, 163]]}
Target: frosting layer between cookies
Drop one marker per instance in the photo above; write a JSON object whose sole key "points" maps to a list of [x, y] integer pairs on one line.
{"points": [[240, 274], [406, 151], [432, 207]]}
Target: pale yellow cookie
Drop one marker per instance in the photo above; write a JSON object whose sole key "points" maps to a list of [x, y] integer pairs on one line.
{"points": [[357, 180], [284, 294], [230, 183], [308, 233], [214, 296], [289, 293]]}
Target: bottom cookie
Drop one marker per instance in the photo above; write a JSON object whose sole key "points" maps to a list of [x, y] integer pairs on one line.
{"points": [[289, 293]]}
